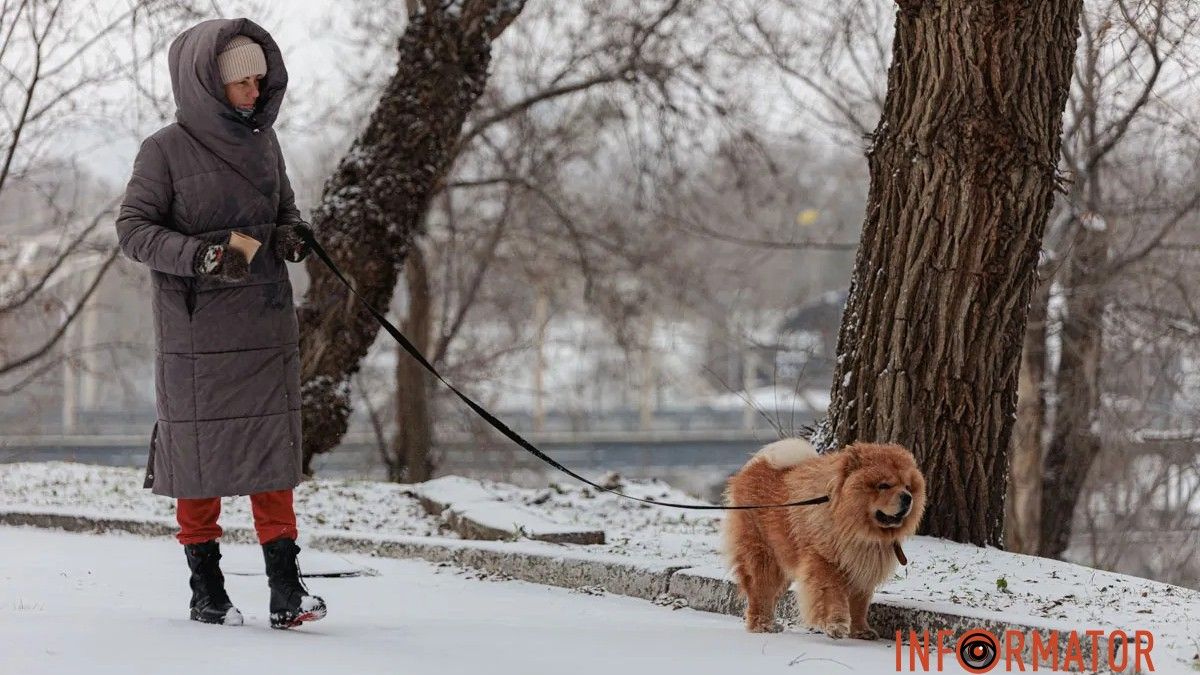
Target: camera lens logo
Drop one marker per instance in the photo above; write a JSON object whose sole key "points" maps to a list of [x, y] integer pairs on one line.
{"points": [[977, 651]]}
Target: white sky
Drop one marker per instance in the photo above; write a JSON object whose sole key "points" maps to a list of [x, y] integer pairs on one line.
{"points": [[309, 33], [313, 36]]}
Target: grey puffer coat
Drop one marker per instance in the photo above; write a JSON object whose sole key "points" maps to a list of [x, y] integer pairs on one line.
{"points": [[227, 360]]}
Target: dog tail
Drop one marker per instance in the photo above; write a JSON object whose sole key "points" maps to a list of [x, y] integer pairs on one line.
{"points": [[786, 453]]}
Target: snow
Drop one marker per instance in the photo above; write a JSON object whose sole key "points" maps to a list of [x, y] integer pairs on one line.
{"points": [[342, 505], [470, 499], [1093, 222], [940, 574], [73, 603], [501, 516], [234, 617], [1144, 435]]}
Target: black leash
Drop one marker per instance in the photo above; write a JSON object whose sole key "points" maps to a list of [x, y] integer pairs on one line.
{"points": [[501, 426]]}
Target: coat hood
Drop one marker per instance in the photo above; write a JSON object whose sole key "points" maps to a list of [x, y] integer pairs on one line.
{"points": [[203, 110]]}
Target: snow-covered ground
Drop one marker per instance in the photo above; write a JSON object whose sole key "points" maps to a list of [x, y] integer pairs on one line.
{"points": [[73, 603], [941, 575], [86, 488]]}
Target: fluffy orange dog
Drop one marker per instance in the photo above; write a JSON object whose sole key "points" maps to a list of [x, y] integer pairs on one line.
{"points": [[837, 552]]}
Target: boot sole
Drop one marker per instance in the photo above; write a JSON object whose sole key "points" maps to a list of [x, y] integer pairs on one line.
{"points": [[285, 622], [232, 618]]}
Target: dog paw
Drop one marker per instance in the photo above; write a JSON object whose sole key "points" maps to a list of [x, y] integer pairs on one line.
{"points": [[836, 629], [864, 634], [764, 627]]}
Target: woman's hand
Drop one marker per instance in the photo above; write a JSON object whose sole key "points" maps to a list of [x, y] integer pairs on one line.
{"points": [[290, 242], [224, 263]]}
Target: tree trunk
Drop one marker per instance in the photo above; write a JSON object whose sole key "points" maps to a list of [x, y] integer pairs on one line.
{"points": [[1074, 443], [412, 462], [963, 171], [374, 204], [1023, 509]]}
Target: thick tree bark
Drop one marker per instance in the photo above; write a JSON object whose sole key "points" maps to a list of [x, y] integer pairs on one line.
{"points": [[373, 205], [1023, 508], [963, 171], [411, 459], [1074, 443]]}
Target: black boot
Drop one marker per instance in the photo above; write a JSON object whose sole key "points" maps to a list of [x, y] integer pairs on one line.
{"points": [[291, 604], [210, 602]]}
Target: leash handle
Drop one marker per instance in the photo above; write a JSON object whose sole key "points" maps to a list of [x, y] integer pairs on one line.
{"points": [[500, 426]]}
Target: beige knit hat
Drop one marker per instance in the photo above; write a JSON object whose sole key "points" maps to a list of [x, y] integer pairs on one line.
{"points": [[241, 57]]}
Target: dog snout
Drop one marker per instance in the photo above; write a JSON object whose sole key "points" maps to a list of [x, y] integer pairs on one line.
{"points": [[905, 502]]}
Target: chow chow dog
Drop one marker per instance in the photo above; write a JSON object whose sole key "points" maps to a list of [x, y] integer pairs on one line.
{"points": [[837, 552]]}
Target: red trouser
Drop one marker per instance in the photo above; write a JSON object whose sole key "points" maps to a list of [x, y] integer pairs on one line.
{"points": [[273, 517]]}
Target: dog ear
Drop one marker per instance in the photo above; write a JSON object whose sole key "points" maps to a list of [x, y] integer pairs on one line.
{"points": [[851, 461]]}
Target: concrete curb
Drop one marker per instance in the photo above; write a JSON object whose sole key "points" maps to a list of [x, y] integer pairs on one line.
{"points": [[528, 560], [147, 527], [666, 582]]}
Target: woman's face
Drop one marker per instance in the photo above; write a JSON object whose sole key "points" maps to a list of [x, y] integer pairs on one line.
{"points": [[244, 92]]}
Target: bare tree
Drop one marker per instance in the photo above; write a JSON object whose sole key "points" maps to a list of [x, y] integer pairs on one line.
{"points": [[831, 58], [1113, 147], [963, 172], [1023, 504], [54, 58], [374, 205], [600, 200], [629, 95], [1125, 139]]}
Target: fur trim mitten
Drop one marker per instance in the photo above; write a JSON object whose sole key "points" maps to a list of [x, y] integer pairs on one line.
{"points": [[290, 243], [222, 262]]}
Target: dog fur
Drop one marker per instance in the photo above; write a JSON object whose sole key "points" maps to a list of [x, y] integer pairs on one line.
{"points": [[837, 552]]}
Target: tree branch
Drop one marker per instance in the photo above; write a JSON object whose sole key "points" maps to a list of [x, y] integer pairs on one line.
{"points": [[481, 269], [58, 334], [1120, 264], [71, 248]]}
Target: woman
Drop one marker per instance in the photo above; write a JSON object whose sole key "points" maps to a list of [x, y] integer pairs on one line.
{"points": [[227, 360]]}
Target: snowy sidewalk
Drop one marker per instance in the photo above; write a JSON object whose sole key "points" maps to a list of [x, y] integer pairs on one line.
{"points": [[72, 603], [657, 554]]}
